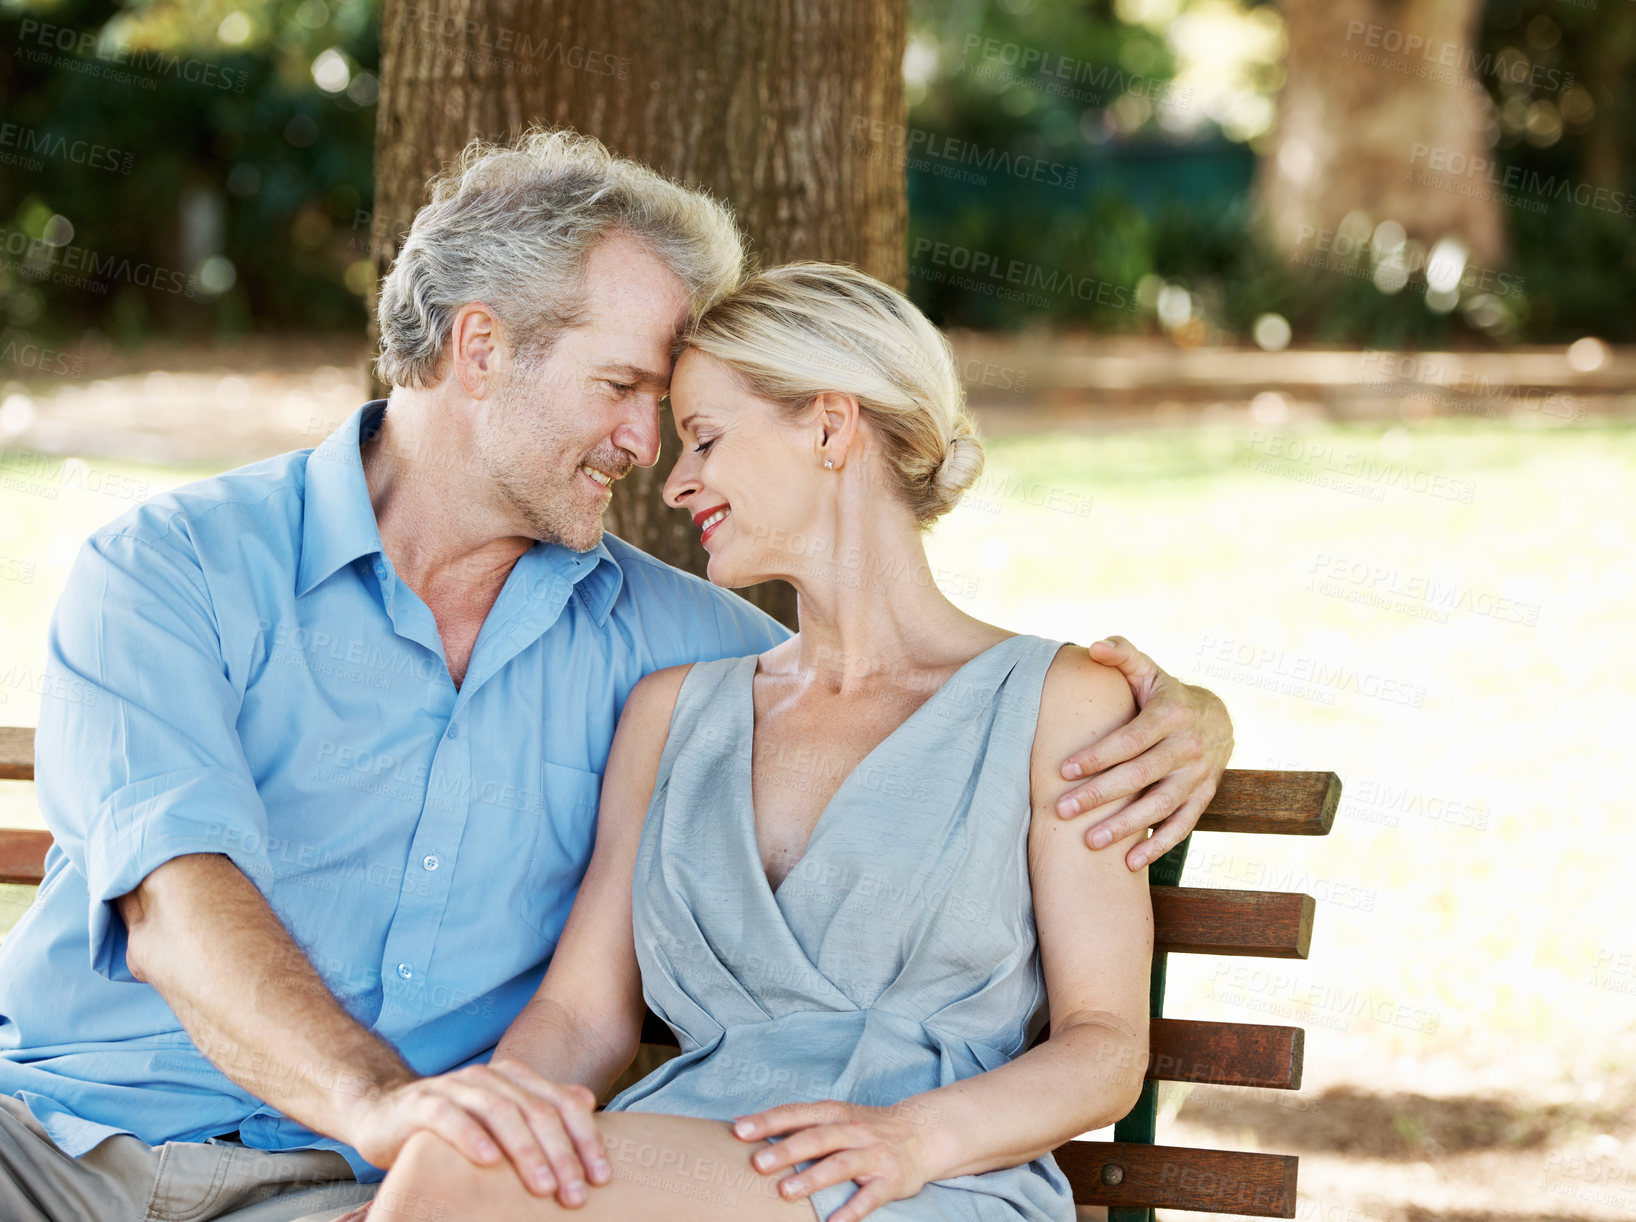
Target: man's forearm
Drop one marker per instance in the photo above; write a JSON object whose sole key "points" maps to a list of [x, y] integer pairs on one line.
{"points": [[205, 938]]}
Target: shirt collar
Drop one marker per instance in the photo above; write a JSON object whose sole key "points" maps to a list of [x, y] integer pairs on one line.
{"points": [[599, 581], [338, 522]]}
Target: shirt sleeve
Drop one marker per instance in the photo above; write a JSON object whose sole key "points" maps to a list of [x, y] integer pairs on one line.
{"points": [[745, 628], [137, 754]]}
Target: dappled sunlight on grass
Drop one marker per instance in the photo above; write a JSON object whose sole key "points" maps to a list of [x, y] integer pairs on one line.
{"points": [[1444, 623]]}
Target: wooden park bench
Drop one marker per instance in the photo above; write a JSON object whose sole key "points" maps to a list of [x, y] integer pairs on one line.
{"points": [[1131, 1175]]}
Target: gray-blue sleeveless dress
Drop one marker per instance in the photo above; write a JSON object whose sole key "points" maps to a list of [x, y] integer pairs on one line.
{"points": [[896, 957]]}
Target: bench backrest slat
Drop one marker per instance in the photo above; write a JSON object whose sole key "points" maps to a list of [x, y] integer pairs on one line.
{"points": [[22, 855], [1137, 1175], [1279, 803], [1132, 1175], [1203, 921], [1247, 800], [16, 753]]}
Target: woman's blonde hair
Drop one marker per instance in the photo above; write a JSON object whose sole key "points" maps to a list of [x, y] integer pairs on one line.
{"points": [[792, 333]]}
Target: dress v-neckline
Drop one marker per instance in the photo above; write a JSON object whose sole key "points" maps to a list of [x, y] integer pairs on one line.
{"points": [[749, 767]]}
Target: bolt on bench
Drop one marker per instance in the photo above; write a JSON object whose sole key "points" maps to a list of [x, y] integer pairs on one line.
{"points": [[1130, 1175]]}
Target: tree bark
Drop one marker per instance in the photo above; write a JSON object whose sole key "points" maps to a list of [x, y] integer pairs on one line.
{"points": [[1368, 98], [1604, 157], [754, 101]]}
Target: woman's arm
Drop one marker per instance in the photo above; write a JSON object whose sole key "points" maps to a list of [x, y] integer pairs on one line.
{"points": [[581, 1027], [1182, 736], [1095, 928], [584, 1024]]}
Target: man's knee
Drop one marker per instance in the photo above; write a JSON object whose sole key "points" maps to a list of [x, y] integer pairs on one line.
{"points": [[40, 1182]]}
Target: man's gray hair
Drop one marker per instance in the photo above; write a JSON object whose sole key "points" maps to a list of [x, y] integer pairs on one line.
{"points": [[511, 226]]}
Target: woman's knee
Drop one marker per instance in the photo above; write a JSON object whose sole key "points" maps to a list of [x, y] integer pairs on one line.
{"points": [[431, 1179]]}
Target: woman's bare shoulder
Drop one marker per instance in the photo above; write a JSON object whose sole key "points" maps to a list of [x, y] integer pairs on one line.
{"points": [[651, 702], [657, 685], [1082, 694], [1082, 700]]}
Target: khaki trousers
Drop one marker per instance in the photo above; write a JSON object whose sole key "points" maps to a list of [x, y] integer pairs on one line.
{"points": [[124, 1179]]}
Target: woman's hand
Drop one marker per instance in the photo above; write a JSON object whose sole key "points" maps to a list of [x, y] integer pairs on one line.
{"points": [[887, 1150]]}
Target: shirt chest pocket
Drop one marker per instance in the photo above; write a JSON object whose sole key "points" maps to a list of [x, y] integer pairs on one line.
{"points": [[559, 848]]}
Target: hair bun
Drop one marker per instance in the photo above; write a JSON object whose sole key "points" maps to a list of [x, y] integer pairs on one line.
{"points": [[962, 462]]}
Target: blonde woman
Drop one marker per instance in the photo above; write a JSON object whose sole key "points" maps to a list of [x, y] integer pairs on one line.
{"points": [[834, 869]]}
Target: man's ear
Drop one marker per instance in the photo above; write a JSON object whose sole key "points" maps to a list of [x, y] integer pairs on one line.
{"points": [[837, 426], [477, 349]]}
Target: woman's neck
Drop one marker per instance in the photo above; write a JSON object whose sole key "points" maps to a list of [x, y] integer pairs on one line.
{"points": [[873, 608]]}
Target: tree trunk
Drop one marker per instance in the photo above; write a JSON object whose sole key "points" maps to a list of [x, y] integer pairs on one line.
{"points": [[1605, 148], [1380, 102], [751, 100]]}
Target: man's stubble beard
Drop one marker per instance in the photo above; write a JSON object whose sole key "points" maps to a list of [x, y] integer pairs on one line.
{"points": [[518, 430]]}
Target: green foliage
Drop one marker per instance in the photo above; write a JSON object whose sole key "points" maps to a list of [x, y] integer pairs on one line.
{"points": [[207, 184], [1156, 203], [1564, 88], [1035, 76], [205, 181]]}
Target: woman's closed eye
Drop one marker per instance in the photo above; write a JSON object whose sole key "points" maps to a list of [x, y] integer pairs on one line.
{"points": [[704, 445]]}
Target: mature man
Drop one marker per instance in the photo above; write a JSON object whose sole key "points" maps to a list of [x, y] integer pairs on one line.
{"points": [[322, 749]]}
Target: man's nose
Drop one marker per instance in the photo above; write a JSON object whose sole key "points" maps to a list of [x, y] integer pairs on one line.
{"points": [[638, 435]]}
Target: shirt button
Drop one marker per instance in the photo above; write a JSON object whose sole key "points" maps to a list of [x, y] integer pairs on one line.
{"points": [[405, 971], [380, 570], [430, 861], [454, 731]]}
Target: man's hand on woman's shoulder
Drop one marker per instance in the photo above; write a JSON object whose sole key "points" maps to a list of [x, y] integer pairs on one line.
{"points": [[1172, 754]]}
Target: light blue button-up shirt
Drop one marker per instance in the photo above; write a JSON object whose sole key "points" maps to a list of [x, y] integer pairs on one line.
{"points": [[236, 668]]}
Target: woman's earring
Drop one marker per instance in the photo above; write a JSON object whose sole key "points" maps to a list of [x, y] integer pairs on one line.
{"points": [[829, 464]]}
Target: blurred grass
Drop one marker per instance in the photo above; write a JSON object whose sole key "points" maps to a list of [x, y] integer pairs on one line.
{"points": [[1473, 895]]}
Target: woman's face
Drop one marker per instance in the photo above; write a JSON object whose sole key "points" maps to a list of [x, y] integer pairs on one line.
{"points": [[751, 482]]}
